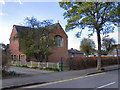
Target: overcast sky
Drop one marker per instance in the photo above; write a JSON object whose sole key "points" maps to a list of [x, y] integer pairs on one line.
{"points": [[13, 13]]}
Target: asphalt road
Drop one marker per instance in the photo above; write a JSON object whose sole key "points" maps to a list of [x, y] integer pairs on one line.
{"points": [[95, 81]]}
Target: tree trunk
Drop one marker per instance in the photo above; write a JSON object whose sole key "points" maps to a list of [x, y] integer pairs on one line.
{"points": [[41, 58], [87, 55], [99, 50], [46, 58]]}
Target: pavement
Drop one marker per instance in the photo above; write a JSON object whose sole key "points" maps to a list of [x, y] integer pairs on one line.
{"points": [[40, 76]]}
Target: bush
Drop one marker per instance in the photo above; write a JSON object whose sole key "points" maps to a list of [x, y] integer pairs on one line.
{"points": [[51, 69], [25, 66], [5, 58], [34, 64], [34, 67], [10, 73], [13, 73], [89, 62]]}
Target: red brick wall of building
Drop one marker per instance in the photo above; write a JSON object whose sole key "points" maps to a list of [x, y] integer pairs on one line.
{"points": [[75, 55], [14, 45], [58, 52]]}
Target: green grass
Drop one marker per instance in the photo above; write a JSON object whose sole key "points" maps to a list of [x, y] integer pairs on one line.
{"points": [[100, 69], [50, 69], [64, 67], [25, 66], [34, 67]]}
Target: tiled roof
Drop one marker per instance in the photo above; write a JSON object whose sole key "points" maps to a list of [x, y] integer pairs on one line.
{"points": [[21, 28]]}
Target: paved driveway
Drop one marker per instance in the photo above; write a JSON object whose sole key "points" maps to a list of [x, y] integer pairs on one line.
{"points": [[27, 70]]}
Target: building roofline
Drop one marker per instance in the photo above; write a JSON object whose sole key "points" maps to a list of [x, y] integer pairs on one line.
{"points": [[47, 26]]}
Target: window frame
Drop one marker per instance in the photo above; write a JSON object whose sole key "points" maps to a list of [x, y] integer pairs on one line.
{"points": [[59, 40]]}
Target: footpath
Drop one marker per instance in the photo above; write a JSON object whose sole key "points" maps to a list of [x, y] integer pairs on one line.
{"points": [[39, 77]]}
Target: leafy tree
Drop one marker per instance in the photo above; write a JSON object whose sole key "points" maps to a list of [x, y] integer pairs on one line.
{"points": [[97, 16], [103, 52], [36, 39], [87, 46], [107, 44]]}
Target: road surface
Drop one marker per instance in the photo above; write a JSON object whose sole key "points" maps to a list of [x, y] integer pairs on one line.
{"points": [[96, 81]]}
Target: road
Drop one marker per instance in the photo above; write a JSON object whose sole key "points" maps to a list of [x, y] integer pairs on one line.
{"points": [[95, 81]]}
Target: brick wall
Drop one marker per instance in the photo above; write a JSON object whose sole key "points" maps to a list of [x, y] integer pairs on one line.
{"points": [[58, 52], [14, 45], [75, 55]]}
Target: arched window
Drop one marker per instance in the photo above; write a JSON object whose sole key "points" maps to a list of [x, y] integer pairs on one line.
{"points": [[59, 40]]}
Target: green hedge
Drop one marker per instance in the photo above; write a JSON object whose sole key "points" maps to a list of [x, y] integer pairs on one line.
{"points": [[89, 62], [25, 66]]}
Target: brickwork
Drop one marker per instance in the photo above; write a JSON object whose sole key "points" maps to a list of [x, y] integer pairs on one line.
{"points": [[58, 52], [75, 55], [14, 46]]}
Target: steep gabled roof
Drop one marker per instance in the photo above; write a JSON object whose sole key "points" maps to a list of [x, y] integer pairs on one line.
{"points": [[62, 29], [19, 28]]}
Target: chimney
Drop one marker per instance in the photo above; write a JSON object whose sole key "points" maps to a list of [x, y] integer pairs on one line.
{"points": [[71, 48]]}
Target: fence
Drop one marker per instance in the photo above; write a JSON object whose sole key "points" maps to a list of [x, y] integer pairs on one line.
{"points": [[36, 64]]}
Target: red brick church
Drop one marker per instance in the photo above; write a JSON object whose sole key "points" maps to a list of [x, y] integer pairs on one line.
{"points": [[58, 52]]}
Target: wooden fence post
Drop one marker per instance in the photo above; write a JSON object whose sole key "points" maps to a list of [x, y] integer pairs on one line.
{"points": [[61, 64], [117, 56], [12, 62], [47, 64], [58, 65], [38, 64], [20, 63], [31, 64]]}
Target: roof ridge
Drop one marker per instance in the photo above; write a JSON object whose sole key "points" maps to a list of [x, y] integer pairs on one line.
{"points": [[27, 26]]}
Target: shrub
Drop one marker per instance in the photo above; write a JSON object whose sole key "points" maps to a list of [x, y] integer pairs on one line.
{"points": [[34, 67], [22, 66], [5, 57], [89, 62], [18, 66], [25, 66], [51, 69], [13, 73], [10, 73], [34, 64]]}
